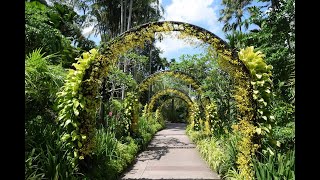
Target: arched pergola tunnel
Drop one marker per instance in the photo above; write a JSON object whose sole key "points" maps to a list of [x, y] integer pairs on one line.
{"points": [[78, 97]]}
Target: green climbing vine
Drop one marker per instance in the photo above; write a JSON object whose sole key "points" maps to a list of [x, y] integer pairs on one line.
{"points": [[71, 102]]}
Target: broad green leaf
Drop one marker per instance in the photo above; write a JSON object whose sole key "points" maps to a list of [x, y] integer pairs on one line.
{"points": [[269, 67], [265, 129], [67, 122], [82, 104], [75, 103], [75, 124], [76, 112], [93, 51], [85, 55], [258, 130], [61, 117], [75, 153], [74, 135], [259, 76], [83, 136], [260, 111], [270, 151], [65, 137]]}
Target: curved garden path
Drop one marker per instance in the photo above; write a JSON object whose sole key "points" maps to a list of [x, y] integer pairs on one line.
{"points": [[170, 155]]}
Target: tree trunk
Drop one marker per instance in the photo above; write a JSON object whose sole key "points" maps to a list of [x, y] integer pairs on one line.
{"points": [[124, 70], [125, 16], [150, 57], [121, 17], [130, 14], [172, 110], [103, 94]]}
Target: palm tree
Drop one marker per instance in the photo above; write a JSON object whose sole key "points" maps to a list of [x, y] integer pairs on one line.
{"points": [[232, 14], [236, 39]]}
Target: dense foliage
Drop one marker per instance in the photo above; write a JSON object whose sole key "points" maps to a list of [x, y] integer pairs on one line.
{"points": [[90, 110]]}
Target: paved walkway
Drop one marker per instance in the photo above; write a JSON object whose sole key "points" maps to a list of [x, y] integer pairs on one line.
{"points": [[170, 155]]}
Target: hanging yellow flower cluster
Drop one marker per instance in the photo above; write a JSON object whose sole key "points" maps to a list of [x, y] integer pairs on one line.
{"points": [[194, 118], [131, 106], [212, 120]]}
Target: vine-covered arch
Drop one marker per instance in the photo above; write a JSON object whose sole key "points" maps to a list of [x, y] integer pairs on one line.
{"points": [[168, 91], [187, 78], [159, 108], [77, 100], [169, 100]]}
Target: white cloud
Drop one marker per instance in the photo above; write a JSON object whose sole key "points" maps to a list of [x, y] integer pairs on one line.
{"points": [[202, 13], [87, 31], [170, 44]]}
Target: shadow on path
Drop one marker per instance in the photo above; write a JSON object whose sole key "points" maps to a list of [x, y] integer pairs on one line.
{"points": [[169, 155]]}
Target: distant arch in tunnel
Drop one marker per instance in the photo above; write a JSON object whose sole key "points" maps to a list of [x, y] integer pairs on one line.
{"points": [[185, 77], [169, 100], [172, 93]]}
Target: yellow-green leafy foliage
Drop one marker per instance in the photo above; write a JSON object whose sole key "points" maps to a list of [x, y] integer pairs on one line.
{"points": [[260, 80], [71, 101], [248, 92], [144, 111]]}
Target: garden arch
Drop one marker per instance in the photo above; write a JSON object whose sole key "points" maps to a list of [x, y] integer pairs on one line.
{"points": [[177, 74], [78, 98], [169, 100], [168, 91]]}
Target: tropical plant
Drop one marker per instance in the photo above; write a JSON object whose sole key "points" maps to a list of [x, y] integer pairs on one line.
{"points": [[276, 166], [41, 33]]}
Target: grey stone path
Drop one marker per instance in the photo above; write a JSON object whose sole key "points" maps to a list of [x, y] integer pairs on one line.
{"points": [[170, 155]]}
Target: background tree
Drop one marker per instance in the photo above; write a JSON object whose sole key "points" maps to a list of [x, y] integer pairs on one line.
{"points": [[53, 28]]}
